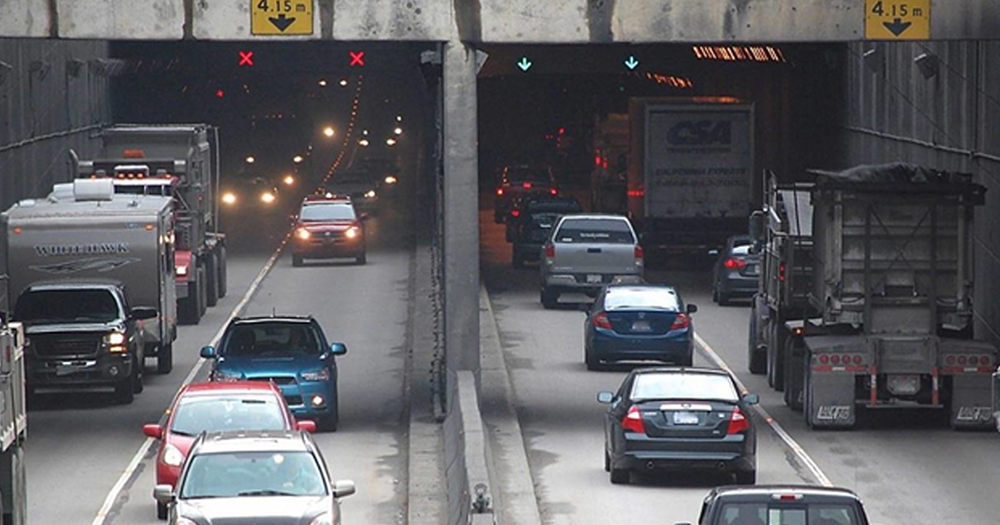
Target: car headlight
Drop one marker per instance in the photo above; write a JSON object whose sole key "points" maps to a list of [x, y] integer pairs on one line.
{"points": [[316, 375], [267, 197], [172, 456], [115, 338], [229, 198], [391, 179], [352, 232], [323, 519], [302, 233], [182, 270], [227, 375], [370, 194]]}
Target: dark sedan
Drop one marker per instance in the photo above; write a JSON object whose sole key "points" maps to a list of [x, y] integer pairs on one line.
{"points": [[669, 419], [736, 270], [524, 208], [639, 322]]}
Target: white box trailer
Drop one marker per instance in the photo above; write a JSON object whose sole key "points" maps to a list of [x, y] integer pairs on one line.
{"points": [[101, 237]]}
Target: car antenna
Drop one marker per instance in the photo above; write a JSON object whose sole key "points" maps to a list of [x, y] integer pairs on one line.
{"points": [[273, 314]]}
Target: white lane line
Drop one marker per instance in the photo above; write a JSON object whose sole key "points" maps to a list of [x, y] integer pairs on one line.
{"points": [[784, 436], [109, 502]]}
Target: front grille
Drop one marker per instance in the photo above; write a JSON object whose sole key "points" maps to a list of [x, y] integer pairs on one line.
{"points": [[278, 380], [294, 401], [67, 345]]}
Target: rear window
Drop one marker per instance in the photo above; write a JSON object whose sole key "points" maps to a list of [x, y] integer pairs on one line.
{"points": [[684, 386], [327, 212], [561, 206], [56, 306], [607, 231], [659, 298], [534, 175], [765, 514]]}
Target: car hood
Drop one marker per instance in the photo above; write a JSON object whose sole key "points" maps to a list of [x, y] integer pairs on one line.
{"points": [[262, 366], [256, 510], [50, 327]]}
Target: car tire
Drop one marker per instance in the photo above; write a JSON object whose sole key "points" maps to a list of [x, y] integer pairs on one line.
{"points": [[328, 423], [497, 217], [361, 259], [746, 477], [296, 260], [165, 359], [549, 298], [607, 462], [516, 260], [125, 392], [723, 299], [592, 363], [619, 476], [161, 511]]}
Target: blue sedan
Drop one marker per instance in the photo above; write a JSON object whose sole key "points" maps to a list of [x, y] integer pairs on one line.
{"points": [[291, 352], [644, 322]]}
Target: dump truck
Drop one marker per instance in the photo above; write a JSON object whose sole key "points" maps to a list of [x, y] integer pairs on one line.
{"points": [[180, 161], [92, 280], [878, 313], [13, 415], [690, 169]]}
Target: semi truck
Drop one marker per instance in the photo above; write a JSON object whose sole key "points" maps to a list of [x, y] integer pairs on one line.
{"points": [[180, 161], [690, 169], [865, 297], [92, 280], [13, 415]]}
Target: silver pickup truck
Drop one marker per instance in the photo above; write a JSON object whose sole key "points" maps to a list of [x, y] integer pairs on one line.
{"points": [[587, 251]]}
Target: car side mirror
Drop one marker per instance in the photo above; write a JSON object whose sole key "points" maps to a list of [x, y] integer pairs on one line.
{"points": [[755, 225], [163, 493], [751, 399], [143, 312], [153, 430], [208, 352], [605, 398], [343, 487], [692, 308], [306, 425], [338, 349]]}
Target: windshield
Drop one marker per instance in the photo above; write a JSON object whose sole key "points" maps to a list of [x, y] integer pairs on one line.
{"points": [[269, 339], [607, 231], [196, 414], [660, 298], [683, 386], [56, 306], [327, 212], [230, 474], [764, 514]]}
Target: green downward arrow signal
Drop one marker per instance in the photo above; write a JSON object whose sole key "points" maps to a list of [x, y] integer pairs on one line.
{"points": [[524, 64], [631, 63]]}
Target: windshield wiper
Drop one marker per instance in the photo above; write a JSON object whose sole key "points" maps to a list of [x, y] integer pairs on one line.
{"points": [[181, 432], [264, 493]]}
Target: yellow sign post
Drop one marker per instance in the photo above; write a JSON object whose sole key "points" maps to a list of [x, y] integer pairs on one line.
{"points": [[897, 19], [281, 17]]}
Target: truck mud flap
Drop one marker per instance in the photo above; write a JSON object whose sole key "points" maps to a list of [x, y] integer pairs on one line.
{"points": [[971, 402], [828, 388]]}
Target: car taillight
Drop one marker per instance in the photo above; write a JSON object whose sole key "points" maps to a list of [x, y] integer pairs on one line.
{"points": [[526, 185], [515, 213], [553, 191], [738, 423], [734, 263], [633, 421], [499, 192], [638, 251], [550, 250], [601, 321], [681, 321]]}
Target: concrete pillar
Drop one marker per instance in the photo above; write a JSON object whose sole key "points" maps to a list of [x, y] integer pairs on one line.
{"points": [[461, 208]]}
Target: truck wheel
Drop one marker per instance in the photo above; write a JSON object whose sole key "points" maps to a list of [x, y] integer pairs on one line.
{"points": [[221, 261], [165, 359], [212, 282], [202, 291], [550, 298], [124, 391], [361, 259], [516, 260], [137, 377], [793, 378], [776, 364], [296, 260], [757, 360]]}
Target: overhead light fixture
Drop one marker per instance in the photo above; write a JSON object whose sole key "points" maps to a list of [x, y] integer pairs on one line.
{"points": [[873, 59], [5, 69], [927, 63]]}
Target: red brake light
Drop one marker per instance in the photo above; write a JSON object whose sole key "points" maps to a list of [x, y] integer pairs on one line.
{"points": [[515, 213], [601, 321], [633, 421], [737, 422], [553, 191], [734, 263], [499, 192], [550, 250], [526, 185], [638, 251], [681, 321]]}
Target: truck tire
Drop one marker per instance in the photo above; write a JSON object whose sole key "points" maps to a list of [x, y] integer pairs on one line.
{"points": [[138, 376], [165, 359], [549, 298], [776, 361], [212, 281], [756, 360], [223, 275], [296, 260], [516, 260], [793, 378], [361, 259], [202, 291], [124, 390]]}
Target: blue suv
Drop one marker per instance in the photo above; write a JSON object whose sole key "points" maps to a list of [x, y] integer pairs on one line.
{"points": [[291, 352]]}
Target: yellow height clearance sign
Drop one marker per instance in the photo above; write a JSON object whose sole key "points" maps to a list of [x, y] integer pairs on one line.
{"points": [[281, 17], [897, 19]]}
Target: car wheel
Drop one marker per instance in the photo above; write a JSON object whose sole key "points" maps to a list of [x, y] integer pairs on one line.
{"points": [[550, 299], [592, 363], [165, 359], [619, 476], [516, 260], [296, 260], [361, 259], [329, 422], [723, 299], [746, 477], [161, 511], [607, 462], [124, 391]]}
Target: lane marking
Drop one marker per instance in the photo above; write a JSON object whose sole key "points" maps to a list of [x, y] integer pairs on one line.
{"points": [[775, 426], [130, 471]]}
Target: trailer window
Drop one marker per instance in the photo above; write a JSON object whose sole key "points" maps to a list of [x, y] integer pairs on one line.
{"points": [[608, 231], [67, 305]]}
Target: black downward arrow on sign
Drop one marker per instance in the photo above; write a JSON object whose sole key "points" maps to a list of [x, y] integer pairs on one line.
{"points": [[897, 26], [281, 22]]}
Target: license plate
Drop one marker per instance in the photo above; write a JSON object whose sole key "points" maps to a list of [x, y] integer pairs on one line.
{"points": [[752, 269], [593, 278], [641, 326], [685, 418]]}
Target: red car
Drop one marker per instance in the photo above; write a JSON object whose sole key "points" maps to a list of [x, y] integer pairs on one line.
{"points": [[216, 406], [328, 226]]}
